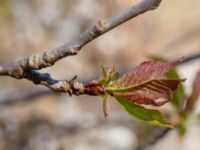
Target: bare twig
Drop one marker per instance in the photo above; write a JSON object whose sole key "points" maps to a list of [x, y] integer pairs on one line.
{"points": [[191, 58], [12, 99], [25, 68], [160, 133]]}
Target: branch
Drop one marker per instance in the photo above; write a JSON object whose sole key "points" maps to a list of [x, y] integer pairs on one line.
{"points": [[13, 99], [25, 68], [23, 97], [162, 132], [191, 58], [70, 87]]}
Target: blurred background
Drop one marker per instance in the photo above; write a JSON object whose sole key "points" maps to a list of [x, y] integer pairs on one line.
{"points": [[33, 118]]}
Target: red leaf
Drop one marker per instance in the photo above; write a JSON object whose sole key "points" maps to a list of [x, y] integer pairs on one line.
{"points": [[146, 71], [143, 84], [153, 92]]}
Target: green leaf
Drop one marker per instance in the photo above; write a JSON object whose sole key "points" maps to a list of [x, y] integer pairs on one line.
{"points": [[181, 127], [179, 95], [153, 117], [103, 82], [181, 130], [109, 74], [103, 71]]}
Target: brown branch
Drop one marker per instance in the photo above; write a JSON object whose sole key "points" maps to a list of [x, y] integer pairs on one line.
{"points": [[12, 99], [70, 87], [25, 68]]}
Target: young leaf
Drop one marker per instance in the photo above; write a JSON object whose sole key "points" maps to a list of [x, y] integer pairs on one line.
{"points": [[146, 71], [143, 85], [153, 117], [103, 71], [179, 96], [153, 92], [108, 74]]}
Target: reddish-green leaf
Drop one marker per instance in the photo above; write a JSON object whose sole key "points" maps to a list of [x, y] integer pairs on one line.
{"points": [[146, 71], [154, 92], [143, 84]]}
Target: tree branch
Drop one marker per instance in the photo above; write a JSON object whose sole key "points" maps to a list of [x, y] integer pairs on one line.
{"points": [[10, 99], [66, 86], [160, 133], [191, 58], [25, 68], [13, 99]]}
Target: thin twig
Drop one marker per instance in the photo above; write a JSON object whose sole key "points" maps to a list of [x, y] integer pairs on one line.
{"points": [[13, 99], [25, 67], [160, 133], [191, 58]]}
